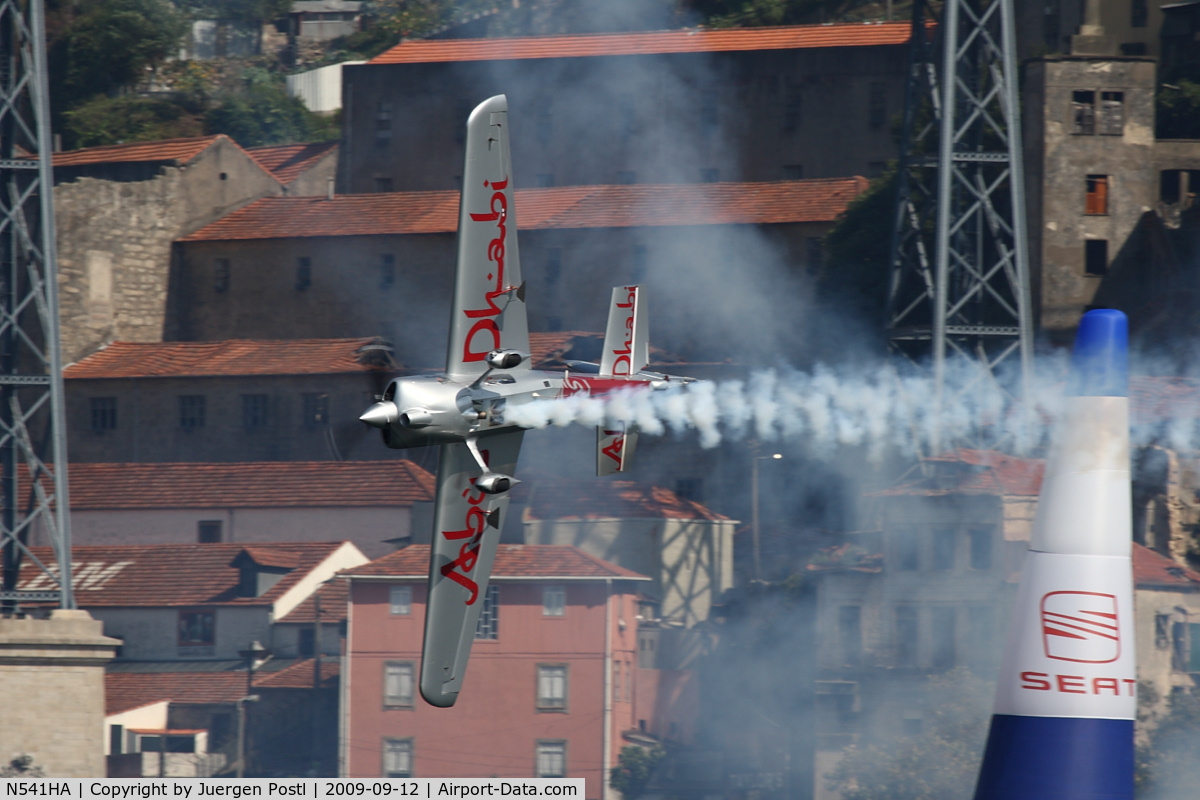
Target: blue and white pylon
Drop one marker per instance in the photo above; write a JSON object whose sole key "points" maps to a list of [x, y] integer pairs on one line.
{"points": [[1067, 692]]}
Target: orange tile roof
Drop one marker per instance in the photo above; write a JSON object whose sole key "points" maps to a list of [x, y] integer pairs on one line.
{"points": [[1152, 570], [265, 484], [169, 575], [624, 206], [124, 691], [287, 161], [870, 34], [553, 346], [300, 674], [980, 472], [333, 606], [179, 151], [232, 357], [564, 498], [512, 561]]}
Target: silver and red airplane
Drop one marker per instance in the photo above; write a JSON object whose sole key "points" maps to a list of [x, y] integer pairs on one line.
{"points": [[487, 372]]}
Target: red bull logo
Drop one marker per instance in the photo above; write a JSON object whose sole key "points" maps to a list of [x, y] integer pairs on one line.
{"points": [[1081, 627]]}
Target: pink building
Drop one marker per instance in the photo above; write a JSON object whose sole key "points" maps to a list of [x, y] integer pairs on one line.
{"points": [[550, 690]]}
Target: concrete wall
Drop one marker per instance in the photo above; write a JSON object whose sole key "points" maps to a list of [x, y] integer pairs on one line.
{"points": [[152, 634], [689, 561], [494, 727], [53, 677], [148, 717], [148, 420], [662, 117], [115, 229], [367, 527], [1059, 163]]}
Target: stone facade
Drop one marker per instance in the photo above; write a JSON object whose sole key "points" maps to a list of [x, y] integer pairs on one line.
{"points": [[53, 676], [116, 223]]}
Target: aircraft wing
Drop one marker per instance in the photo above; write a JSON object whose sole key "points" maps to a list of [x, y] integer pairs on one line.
{"points": [[466, 532], [489, 297]]}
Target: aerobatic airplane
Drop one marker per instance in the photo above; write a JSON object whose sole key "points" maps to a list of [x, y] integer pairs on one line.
{"points": [[487, 371]]}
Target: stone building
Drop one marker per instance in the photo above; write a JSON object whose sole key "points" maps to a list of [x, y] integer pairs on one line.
{"points": [[680, 106], [118, 210], [383, 264]]}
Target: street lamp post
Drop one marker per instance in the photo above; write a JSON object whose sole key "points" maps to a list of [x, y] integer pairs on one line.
{"points": [[754, 521], [241, 740]]}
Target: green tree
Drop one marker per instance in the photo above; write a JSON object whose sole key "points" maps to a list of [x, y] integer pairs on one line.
{"points": [[112, 120], [856, 250], [635, 767], [941, 763], [260, 112], [1177, 110], [110, 45]]}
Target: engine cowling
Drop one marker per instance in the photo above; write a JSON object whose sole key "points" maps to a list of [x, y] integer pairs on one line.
{"points": [[495, 483], [504, 359], [415, 418]]}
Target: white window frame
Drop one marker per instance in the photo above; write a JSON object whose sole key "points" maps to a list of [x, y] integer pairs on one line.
{"points": [[399, 600], [547, 752], [554, 601], [553, 687], [394, 752], [399, 679], [488, 627]]}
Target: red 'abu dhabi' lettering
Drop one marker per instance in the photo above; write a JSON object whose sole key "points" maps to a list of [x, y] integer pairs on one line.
{"points": [[622, 354], [485, 321], [1076, 684], [474, 523], [614, 449]]}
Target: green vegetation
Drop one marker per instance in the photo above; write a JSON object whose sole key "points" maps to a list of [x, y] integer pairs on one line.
{"points": [[940, 763], [634, 770], [856, 272]]}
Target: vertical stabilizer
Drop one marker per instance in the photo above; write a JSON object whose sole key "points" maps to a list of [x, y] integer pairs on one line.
{"points": [[1066, 696], [627, 340]]}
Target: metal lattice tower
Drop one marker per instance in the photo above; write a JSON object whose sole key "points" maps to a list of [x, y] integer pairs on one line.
{"points": [[959, 283], [33, 498]]}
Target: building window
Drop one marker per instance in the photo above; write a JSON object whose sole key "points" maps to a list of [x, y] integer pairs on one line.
{"points": [[488, 626], [791, 110], [316, 409], [945, 540], [1095, 256], [689, 489], [398, 684], [877, 113], [554, 601], [553, 264], [906, 547], [1112, 113], [308, 643], [1139, 13], [254, 411], [1083, 113], [387, 271], [208, 531], [221, 275], [397, 758], [850, 635], [551, 759], [906, 633], [793, 172], [544, 180], [616, 680], [104, 414], [191, 411], [400, 601], [303, 273], [552, 687], [383, 124], [710, 175], [382, 185], [943, 653], [981, 547], [628, 683], [1096, 200], [197, 632], [626, 176]]}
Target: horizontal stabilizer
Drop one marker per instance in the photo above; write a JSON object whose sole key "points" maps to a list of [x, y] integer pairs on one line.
{"points": [[614, 448]]}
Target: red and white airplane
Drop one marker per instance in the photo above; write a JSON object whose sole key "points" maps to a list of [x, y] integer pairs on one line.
{"points": [[488, 371]]}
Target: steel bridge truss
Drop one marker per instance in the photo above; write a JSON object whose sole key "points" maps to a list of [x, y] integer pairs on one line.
{"points": [[33, 454], [959, 267]]}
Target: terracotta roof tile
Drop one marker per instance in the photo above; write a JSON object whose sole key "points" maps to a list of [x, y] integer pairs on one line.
{"points": [[333, 606], [178, 151], [168, 575], [679, 41], [124, 691], [300, 674], [976, 472], [564, 498], [266, 484], [512, 561], [287, 161], [233, 357], [1154, 571], [623, 206]]}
